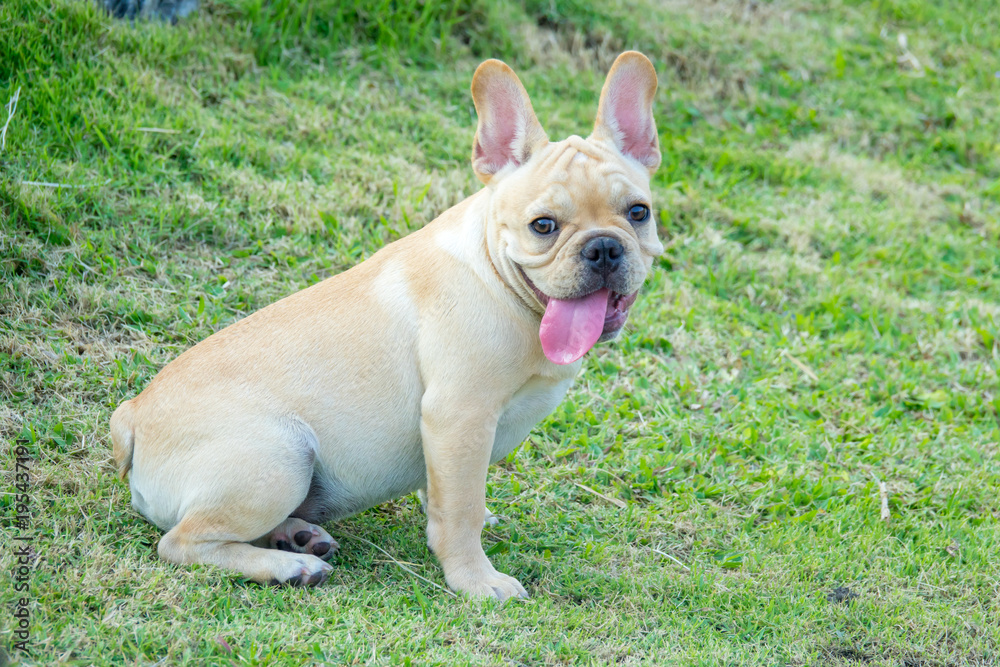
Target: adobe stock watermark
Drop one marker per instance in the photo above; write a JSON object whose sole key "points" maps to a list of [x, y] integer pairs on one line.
{"points": [[24, 551]]}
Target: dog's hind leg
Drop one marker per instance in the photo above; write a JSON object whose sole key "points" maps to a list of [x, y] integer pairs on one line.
{"points": [[236, 493], [202, 539]]}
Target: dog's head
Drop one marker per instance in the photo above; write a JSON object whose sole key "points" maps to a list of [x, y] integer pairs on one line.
{"points": [[570, 226]]}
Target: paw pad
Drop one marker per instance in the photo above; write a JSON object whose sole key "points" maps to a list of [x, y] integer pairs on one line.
{"points": [[297, 536]]}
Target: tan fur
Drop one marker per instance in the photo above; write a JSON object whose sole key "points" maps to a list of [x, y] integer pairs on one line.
{"points": [[412, 370], [122, 438]]}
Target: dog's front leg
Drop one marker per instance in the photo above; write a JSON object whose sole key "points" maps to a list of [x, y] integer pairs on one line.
{"points": [[457, 440]]}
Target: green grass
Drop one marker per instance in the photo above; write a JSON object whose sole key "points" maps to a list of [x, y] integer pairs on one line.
{"points": [[825, 320]]}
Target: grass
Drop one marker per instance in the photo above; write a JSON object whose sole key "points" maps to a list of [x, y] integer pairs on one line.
{"points": [[824, 322]]}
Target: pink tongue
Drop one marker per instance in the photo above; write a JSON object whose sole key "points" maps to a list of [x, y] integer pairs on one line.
{"points": [[570, 328]]}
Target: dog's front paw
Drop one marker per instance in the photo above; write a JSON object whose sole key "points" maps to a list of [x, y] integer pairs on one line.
{"points": [[486, 583]]}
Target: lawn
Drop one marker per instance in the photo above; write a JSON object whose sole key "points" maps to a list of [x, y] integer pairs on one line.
{"points": [[792, 457]]}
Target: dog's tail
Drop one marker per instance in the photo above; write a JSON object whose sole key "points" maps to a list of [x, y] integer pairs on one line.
{"points": [[123, 437]]}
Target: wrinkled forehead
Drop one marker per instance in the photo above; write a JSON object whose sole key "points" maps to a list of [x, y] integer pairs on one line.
{"points": [[577, 172]]}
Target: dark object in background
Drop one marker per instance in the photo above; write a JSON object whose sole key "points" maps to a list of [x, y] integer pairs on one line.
{"points": [[167, 10], [841, 594]]}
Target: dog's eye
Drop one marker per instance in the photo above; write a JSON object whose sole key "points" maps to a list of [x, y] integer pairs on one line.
{"points": [[638, 213], [543, 226]]}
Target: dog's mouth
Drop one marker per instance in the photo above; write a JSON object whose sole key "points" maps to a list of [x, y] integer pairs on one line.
{"points": [[570, 327]]}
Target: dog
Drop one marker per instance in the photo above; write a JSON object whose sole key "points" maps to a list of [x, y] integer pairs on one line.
{"points": [[415, 369]]}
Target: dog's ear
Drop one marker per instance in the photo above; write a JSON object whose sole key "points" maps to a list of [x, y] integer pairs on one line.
{"points": [[625, 112], [508, 131]]}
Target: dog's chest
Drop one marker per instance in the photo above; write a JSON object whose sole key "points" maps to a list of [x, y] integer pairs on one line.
{"points": [[532, 402]]}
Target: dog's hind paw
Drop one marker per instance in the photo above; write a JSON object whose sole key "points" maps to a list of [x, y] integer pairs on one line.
{"points": [[301, 571], [301, 537]]}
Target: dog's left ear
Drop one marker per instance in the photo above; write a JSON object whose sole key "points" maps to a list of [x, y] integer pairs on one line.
{"points": [[625, 112], [508, 131]]}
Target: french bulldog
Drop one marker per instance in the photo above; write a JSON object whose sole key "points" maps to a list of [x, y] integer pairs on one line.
{"points": [[413, 370]]}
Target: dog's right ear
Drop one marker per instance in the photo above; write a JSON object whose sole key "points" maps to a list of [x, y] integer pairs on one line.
{"points": [[508, 131]]}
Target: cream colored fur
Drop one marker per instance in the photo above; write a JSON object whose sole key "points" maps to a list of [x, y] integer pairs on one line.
{"points": [[414, 369]]}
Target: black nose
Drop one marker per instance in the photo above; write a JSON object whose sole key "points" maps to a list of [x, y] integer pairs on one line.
{"points": [[603, 254]]}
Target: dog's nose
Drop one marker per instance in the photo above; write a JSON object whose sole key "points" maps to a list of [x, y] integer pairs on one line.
{"points": [[603, 254]]}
